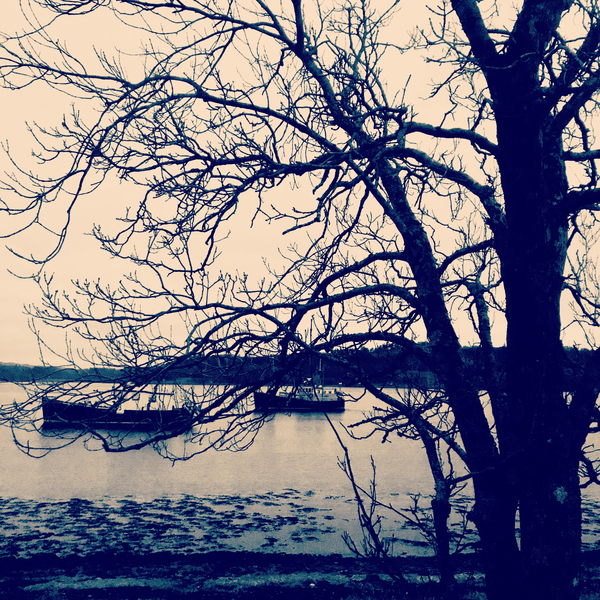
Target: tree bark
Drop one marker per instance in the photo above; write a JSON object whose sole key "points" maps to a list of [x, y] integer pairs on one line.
{"points": [[441, 509], [551, 529], [539, 441], [494, 515]]}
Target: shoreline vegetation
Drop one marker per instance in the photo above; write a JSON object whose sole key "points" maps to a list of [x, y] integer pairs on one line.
{"points": [[223, 575]]}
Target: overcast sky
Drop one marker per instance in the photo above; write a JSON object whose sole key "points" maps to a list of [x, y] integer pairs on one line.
{"points": [[79, 258], [17, 344]]}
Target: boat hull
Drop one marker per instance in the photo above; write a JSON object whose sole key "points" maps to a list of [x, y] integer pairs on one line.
{"points": [[272, 402], [59, 414]]}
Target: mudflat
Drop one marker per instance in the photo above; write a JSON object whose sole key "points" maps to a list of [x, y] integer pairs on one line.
{"points": [[276, 546]]}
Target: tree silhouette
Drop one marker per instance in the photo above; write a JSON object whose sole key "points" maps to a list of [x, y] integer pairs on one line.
{"points": [[478, 201]]}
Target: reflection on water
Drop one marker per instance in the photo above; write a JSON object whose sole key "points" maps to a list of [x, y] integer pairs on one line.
{"points": [[296, 451]]}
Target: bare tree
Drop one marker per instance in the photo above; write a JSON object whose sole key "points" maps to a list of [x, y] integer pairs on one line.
{"points": [[423, 415], [483, 207], [420, 414]]}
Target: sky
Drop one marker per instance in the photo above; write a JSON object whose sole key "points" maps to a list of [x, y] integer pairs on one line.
{"points": [[17, 343], [80, 257], [36, 104]]}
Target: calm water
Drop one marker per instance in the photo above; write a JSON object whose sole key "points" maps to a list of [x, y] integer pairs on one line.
{"points": [[286, 493], [292, 451]]}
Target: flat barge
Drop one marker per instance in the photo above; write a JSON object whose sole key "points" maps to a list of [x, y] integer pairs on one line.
{"points": [[77, 415]]}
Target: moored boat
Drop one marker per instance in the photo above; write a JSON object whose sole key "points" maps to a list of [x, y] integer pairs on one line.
{"points": [[302, 399], [61, 414]]}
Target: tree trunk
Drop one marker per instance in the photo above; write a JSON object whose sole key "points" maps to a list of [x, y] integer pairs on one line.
{"points": [[550, 511], [537, 441], [534, 433], [494, 515], [547, 566], [441, 509]]}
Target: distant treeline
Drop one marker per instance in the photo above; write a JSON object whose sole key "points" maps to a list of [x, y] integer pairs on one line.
{"points": [[387, 365], [25, 373]]}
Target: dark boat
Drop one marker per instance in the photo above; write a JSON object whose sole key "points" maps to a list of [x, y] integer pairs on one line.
{"points": [[302, 399], [60, 414]]}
